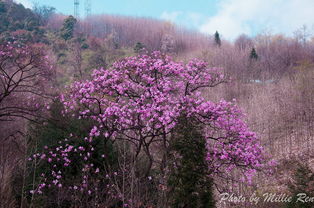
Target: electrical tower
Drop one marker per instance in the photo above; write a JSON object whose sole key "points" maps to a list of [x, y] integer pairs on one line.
{"points": [[76, 9], [88, 8]]}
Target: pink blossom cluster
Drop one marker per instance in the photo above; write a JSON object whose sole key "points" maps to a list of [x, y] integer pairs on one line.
{"points": [[64, 158], [141, 98], [230, 143], [95, 177]]}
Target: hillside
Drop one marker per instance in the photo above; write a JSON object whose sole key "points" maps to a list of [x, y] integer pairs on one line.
{"points": [[92, 116]]}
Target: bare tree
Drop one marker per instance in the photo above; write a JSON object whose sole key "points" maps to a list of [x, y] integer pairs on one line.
{"points": [[243, 42], [24, 74]]}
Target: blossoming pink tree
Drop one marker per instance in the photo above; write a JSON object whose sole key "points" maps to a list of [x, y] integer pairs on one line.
{"points": [[138, 102], [140, 99]]}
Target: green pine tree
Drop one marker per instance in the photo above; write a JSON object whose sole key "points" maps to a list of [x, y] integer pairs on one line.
{"points": [[253, 54], [189, 183], [67, 29], [217, 39]]}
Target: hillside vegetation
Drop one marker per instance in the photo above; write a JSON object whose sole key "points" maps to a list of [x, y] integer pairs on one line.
{"points": [[115, 111]]}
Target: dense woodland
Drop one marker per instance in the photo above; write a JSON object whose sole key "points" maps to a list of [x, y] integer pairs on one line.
{"points": [[114, 111]]}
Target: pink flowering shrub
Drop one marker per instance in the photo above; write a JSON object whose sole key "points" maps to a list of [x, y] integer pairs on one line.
{"points": [[139, 99], [75, 171]]}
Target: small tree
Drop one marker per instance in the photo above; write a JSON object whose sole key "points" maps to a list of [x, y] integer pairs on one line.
{"points": [[243, 42], [217, 39], [67, 29], [168, 43], [253, 54], [189, 183], [139, 47], [44, 12]]}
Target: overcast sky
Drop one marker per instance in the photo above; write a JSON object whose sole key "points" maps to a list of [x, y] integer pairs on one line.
{"points": [[229, 17]]}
